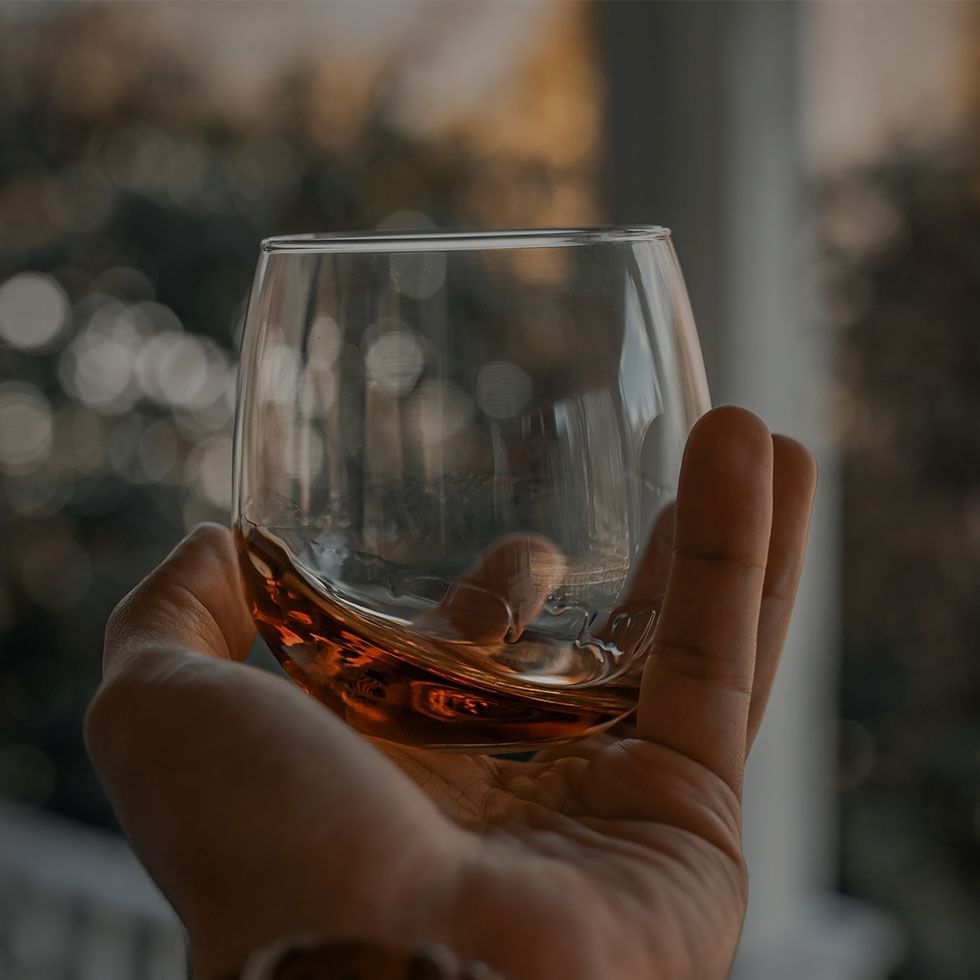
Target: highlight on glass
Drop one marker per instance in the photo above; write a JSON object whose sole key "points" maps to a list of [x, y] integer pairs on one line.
{"points": [[455, 461]]}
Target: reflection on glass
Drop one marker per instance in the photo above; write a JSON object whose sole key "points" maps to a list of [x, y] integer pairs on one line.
{"points": [[447, 473]]}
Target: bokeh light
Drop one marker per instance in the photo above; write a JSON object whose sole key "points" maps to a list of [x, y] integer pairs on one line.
{"points": [[158, 450], [209, 471], [37, 494], [502, 389], [394, 361], [328, 340], [98, 366], [156, 317], [182, 373], [80, 439], [56, 571], [148, 361], [318, 392], [125, 283], [26, 425], [123, 446], [280, 369], [439, 411], [303, 453], [418, 275], [34, 310], [133, 196]]}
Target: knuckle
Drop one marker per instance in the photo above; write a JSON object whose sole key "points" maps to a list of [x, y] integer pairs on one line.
{"points": [[117, 626], [719, 556], [119, 616], [696, 662]]}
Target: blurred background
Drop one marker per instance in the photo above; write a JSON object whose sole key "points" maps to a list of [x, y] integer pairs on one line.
{"points": [[818, 163]]}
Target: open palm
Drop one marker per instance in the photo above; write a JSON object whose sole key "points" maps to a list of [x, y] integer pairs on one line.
{"points": [[260, 814]]}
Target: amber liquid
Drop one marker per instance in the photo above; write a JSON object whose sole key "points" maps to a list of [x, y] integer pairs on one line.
{"points": [[387, 684]]}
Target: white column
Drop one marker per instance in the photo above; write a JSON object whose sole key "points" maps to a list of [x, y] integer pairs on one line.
{"points": [[776, 358], [705, 136]]}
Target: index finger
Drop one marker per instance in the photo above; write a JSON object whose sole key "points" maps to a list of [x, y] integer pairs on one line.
{"points": [[697, 683]]}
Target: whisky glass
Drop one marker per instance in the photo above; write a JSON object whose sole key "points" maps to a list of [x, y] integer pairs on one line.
{"points": [[451, 451]]}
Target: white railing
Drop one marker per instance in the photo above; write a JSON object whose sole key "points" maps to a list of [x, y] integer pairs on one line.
{"points": [[76, 905]]}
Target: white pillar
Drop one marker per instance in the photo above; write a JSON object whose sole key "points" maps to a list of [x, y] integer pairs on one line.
{"points": [[705, 135]]}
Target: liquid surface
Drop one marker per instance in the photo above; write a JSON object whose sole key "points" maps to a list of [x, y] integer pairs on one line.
{"points": [[409, 683]]}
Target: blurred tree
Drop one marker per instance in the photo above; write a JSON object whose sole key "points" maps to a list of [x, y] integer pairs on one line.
{"points": [[904, 262], [132, 203]]}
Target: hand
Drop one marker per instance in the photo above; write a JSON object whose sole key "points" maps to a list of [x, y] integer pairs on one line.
{"points": [[260, 814]]}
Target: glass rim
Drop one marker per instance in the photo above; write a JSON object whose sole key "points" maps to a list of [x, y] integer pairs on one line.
{"points": [[458, 240]]}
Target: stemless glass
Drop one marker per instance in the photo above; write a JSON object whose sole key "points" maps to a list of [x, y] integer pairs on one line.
{"points": [[451, 451]]}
